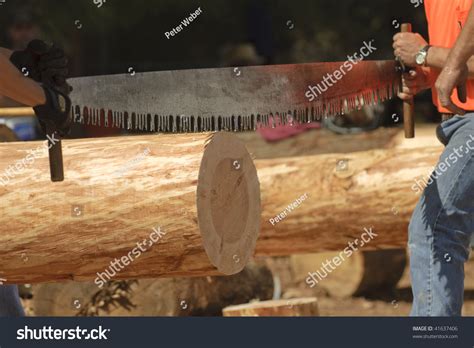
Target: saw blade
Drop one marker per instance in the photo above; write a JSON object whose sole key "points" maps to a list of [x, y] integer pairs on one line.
{"points": [[231, 99]]}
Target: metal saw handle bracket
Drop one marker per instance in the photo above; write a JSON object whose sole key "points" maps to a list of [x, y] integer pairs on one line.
{"points": [[408, 106], [55, 152]]}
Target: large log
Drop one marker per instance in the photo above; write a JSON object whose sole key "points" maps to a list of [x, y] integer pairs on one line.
{"points": [[87, 221], [370, 189], [317, 142], [368, 271], [193, 200]]}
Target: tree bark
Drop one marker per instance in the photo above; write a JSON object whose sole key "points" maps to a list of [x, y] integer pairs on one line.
{"points": [[191, 201]]}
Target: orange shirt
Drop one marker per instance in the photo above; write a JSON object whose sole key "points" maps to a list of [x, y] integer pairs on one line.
{"points": [[446, 18]]}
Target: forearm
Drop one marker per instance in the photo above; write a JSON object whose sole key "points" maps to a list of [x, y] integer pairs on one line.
{"points": [[438, 57], [18, 87]]}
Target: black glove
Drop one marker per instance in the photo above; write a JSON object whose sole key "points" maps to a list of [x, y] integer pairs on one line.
{"points": [[55, 114], [43, 63]]}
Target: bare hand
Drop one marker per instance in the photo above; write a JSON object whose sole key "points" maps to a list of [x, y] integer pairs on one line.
{"points": [[407, 45], [449, 79], [413, 82]]}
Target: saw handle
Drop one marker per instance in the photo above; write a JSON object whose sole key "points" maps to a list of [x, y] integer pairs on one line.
{"points": [[408, 106]]}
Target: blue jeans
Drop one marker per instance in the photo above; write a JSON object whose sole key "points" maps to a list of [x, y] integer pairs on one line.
{"points": [[10, 304], [442, 224]]}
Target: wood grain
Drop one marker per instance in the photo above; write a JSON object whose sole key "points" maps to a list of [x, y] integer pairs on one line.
{"points": [[116, 191], [375, 190], [297, 307]]}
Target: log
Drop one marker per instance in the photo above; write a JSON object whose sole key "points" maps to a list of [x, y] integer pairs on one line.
{"points": [[376, 183], [299, 307], [366, 273], [192, 296], [372, 189], [317, 142], [6, 134], [191, 201]]}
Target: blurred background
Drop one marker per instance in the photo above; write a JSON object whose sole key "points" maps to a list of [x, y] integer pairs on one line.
{"points": [[121, 34]]}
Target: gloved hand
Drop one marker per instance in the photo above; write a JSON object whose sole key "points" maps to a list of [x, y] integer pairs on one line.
{"points": [[44, 63], [55, 115]]}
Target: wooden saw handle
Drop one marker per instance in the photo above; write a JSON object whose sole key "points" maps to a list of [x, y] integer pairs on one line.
{"points": [[408, 106]]}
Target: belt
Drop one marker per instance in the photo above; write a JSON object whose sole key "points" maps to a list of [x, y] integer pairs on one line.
{"points": [[445, 117]]}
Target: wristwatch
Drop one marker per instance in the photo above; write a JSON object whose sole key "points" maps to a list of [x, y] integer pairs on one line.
{"points": [[420, 57]]}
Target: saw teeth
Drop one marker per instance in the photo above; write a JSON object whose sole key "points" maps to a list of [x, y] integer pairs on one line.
{"points": [[129, 121], [183, 123]]}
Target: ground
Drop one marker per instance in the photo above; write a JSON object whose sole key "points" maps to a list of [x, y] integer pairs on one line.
{"points": [[397, 305]]}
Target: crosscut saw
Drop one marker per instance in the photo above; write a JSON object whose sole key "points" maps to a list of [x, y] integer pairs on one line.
{"points": [[232, 99], [229, 99], [235, 99]]}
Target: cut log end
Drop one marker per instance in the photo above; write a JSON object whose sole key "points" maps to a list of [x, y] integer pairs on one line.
{"points": [[228, 203], [298, 307]]}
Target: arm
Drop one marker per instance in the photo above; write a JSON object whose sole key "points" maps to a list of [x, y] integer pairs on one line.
{"points": [[463, 50], [18, 87], [438, 58], [48, 65], [458, 67], [407, 45]]}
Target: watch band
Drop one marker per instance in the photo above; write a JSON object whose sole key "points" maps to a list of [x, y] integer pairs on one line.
{"points": [[424, 51]]}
